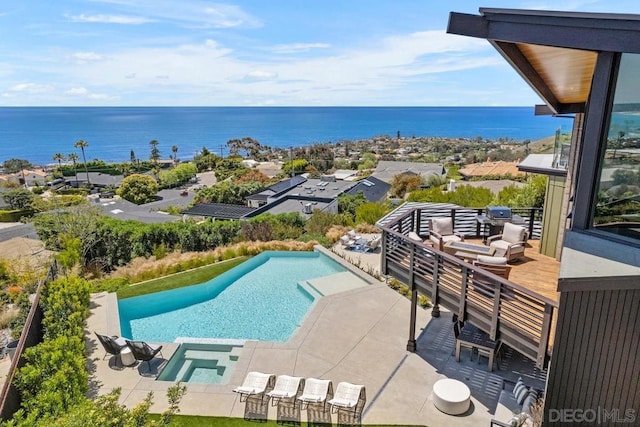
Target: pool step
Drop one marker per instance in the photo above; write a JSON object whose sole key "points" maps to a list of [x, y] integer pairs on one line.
{"points": [[310, 290], [201, 354], [235, 352], [184, 370]]}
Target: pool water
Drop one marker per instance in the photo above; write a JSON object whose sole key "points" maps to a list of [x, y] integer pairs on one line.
{"points": [[259, 300], [201, 363]]}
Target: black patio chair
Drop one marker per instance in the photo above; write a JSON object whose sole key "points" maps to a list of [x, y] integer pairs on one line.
{"points": [[112, 345], [144, 352]]}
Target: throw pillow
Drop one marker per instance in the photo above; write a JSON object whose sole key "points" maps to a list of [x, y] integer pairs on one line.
{"points": [[442, 226], [520, 391], [513, 233]]}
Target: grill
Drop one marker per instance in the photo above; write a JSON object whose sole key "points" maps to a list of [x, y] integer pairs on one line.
{"points": [[495, 219], [498, 215]]}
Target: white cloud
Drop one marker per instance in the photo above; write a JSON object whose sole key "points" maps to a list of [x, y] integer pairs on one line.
{"points": [[192, 13], [110, 19], [82, 92], [260, 76], [298, 47], [31, 88], [84, 57]]}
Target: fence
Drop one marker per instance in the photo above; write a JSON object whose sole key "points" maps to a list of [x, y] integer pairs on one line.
{"points": [[31, 335]]}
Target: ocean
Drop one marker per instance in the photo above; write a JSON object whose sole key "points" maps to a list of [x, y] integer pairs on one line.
{"points": [[37, 133]]}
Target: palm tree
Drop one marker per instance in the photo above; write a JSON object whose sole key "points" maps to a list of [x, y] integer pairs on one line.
{"points": [[73, 157], [82, 144], [174, 150], [58, 157]]}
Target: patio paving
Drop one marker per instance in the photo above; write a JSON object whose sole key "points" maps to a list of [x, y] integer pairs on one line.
{"points": [[358, 335]]}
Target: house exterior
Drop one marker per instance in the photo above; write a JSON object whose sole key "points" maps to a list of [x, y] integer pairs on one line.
{"points": [[489, 168], [586, 65], [387, 169]]}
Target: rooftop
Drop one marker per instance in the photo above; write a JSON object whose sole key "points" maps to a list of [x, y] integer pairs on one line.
{"points": [[219, 210], [387, 169]]}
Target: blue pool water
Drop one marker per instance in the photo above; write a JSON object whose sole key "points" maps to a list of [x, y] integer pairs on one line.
{"points": [[201, 363], [260, 300]]}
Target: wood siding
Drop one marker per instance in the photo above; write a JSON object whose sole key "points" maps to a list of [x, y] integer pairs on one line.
{"points": [[596, 363], [552, 215]]}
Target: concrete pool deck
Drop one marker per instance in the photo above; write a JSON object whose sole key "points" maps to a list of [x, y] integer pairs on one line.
{"points": [[358, 336]]}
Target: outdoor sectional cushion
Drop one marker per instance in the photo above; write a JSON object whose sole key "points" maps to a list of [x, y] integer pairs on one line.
{"points": [[530, 400], [451, 237], [442, 226], [520, 391], [513, 233], [492, 260]]}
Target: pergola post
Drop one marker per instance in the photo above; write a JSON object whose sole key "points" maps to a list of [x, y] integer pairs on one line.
{"points": [[411, 344]]}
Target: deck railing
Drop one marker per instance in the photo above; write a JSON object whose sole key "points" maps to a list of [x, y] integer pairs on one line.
{"points": [[505, 310]]}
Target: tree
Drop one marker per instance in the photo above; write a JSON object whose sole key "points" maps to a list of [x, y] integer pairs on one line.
{"points": [[17, 165], [82, 144], [19, 198], [74, 158], [349, 203], [138, 189], [174, 150], [405, 183], [370, 212], [155, 152], [58, 157]]}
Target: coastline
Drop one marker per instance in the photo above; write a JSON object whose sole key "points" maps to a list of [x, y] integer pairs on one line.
{"points": [[37, 133]]}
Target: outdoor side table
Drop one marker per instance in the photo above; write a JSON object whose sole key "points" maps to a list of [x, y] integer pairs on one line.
{"points": [[451, 396], [126, 357]]}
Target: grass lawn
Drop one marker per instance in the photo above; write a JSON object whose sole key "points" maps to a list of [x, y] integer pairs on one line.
{"points": [[195, 421], [178, 280]]}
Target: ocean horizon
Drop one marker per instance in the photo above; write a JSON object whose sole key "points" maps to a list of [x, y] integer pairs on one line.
{"points": [[37, 133]]}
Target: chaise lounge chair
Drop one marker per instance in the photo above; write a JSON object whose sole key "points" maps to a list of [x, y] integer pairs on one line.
{"points": [[144, 352], [286, 388], [349, 397], [373, 244], [255, 384], [316, 391], [111, 345]]}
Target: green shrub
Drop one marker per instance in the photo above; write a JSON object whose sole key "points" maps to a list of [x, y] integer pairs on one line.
{"points": [[424, 301], [14, 215], [394, 284], [54, 377]]}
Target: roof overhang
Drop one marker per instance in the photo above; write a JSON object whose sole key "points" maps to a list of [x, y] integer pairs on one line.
{"points": [[554, 52], [542, 164]]}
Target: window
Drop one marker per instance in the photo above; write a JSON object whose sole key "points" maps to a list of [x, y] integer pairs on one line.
{"points": [[618, 198]]}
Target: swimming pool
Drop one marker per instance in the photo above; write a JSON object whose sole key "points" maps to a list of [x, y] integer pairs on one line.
{"points": [[201, 363], [260, 300]]}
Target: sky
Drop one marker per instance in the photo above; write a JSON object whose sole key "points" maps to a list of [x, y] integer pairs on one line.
{"points": [[257, 53]]}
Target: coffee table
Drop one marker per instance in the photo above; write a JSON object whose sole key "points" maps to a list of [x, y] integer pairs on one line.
{"points": [[451, 396], [470, 248]]}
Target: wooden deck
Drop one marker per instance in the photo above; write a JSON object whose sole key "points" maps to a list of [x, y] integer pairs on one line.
{"points": [[534, 271]]}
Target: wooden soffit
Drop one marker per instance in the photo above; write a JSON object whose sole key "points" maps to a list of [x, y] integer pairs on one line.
{"points": [[566, 72]]}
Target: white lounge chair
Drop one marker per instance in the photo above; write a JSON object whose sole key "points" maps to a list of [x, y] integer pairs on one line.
{"points": [[349, 396], [255, 384], [346, 241], [372, 244], [316, 391], [287, 388]]}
